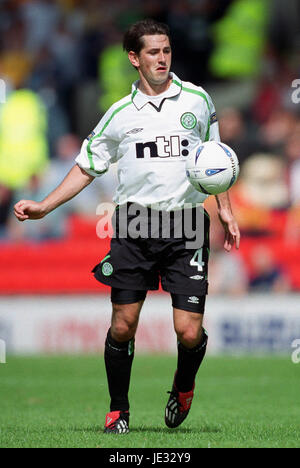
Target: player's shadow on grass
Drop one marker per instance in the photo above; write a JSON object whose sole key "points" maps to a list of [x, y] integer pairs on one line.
{"points": [[190, 430]]}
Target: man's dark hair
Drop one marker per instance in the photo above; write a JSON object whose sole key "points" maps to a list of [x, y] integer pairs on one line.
{"points": [[148, 27]]}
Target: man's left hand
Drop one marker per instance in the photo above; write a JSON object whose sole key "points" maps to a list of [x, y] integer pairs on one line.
{"points": [[232, 232]]}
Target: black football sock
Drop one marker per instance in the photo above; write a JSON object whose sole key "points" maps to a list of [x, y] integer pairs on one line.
{"points": [[118, 361], [188, 363]]}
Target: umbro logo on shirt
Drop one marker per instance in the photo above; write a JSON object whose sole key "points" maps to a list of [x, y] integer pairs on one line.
{"points": [[134, 130]]}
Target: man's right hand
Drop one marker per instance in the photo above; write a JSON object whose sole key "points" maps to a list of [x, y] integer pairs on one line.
{"points": [[28, 209]]}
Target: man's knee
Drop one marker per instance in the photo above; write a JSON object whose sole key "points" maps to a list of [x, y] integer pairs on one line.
{"points": [[124, 321], [189, 337], [188, 328], [122, 330]]}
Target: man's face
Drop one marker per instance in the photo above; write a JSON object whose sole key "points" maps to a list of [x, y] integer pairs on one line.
{"points": [[154, 60]]}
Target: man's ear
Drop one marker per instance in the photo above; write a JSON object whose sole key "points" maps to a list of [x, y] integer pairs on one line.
{"points": [[133, 57]]}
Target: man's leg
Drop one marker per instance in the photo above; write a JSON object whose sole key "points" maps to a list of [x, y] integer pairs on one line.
{"points": [[119, 353], [192, 341]]}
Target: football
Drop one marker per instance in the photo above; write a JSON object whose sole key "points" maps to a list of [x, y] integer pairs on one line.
{"points": [[212, 168]]}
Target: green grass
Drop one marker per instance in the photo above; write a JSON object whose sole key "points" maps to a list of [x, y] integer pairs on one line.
{"points": [[62, 401]]}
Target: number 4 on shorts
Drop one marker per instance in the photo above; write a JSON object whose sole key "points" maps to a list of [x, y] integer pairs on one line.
{"points": [[197, 260]]}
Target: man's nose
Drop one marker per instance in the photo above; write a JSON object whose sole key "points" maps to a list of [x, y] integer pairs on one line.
{"points": [[162, 57]]}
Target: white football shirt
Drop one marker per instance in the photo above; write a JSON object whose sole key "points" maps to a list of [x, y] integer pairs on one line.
{"points": [[150, 137]]}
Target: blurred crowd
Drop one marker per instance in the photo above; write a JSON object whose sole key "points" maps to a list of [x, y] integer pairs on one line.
{"points": [[62, 66]]}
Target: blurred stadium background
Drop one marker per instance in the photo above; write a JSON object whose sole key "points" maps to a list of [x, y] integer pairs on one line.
{"points": [[62, 65]]}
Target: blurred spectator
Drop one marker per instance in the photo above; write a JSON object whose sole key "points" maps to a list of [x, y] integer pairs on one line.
{"points": [[44, 73], [284, 25], [158, 10], [64, 48], [292, 227], [227, 273], [128, 12], [97, 19], [23, 138], [15, 62], [261, 188], [6, 196], [267, 99], [275, 131], [23, 144], [191, 28], [234, 132], [40, 19], [178, 19], [262, 181], [267, 276], [116, 74], [240, 38], [292, 153]]}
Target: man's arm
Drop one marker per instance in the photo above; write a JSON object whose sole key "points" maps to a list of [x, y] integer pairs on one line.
{"points": [[75, 181], [232, 232]]}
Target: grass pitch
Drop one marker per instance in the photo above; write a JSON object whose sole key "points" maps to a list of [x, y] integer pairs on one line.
{"points": [[62, 402]]}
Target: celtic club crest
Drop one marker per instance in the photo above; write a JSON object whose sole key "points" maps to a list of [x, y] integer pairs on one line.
{"points": [[188, 120]]}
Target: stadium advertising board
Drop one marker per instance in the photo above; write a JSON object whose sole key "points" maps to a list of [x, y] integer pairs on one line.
{"points": [[66, 324]]}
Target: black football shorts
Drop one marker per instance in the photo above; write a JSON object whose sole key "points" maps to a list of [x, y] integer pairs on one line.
{"points": [[142, 255]]}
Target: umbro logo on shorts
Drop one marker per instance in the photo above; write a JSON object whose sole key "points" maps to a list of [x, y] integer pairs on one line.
{"points": [[193, 299], [196, 277]]}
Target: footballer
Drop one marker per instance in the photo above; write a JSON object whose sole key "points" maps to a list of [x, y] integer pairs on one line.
{"points": [[149, 133]]}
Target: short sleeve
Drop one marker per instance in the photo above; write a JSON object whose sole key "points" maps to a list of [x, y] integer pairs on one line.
{"points": [[100, 148], [211, 131]]}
